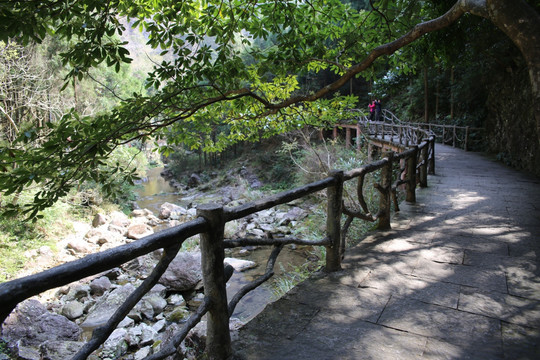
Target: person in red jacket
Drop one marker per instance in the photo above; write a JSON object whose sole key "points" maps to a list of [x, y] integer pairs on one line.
{"points": [[371, 110]]}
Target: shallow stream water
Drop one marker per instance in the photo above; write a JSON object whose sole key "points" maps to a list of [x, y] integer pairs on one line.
{"points": [[156, 191]]}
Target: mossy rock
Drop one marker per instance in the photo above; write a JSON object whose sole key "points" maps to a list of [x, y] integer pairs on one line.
{"points": [[178, 315]]}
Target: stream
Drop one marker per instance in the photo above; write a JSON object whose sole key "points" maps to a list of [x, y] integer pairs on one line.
{"points": [[155, 190]]}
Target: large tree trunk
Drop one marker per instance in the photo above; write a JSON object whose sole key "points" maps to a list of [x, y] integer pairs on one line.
{"points": [[521, 23]]}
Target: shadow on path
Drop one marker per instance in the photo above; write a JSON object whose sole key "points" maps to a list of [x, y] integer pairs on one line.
{"points": [[458, 277]]}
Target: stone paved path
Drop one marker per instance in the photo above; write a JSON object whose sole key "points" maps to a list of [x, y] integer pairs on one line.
{"points": [[458, 277]]}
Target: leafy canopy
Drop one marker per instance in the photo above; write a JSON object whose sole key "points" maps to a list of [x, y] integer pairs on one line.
{"points": [[231, 74]]}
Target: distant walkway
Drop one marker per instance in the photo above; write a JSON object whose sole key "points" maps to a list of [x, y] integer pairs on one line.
{"points": [[458, 277]]}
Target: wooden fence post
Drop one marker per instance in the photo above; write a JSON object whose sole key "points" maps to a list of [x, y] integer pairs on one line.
{"points": [[347, 137], [411, 176], [454, 137], [431, 168], [443, 134], [466, 145], [218, 338], [385, 192], [423, 168], [333, 222]]}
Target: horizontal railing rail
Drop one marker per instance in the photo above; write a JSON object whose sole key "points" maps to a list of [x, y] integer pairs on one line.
{"points": [[464, 137], [413, 162]]}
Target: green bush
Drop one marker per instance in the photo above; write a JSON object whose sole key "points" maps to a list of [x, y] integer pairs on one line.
{"points": [[18, 236], [182, 160], [3, 348], [275, 170], [118, 190], [314, 161], [129, 157]]}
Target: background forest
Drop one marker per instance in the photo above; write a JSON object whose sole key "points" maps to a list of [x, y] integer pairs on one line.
{"points": [[448, 77]]}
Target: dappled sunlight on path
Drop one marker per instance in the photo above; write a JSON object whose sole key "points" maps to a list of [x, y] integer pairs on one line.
{"points": [[457, 277]]}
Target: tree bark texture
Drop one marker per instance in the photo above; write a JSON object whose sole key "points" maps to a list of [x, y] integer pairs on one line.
{"points": [[218, 343], [333, 222], [411, 175], [385, 197], [521, 23]]}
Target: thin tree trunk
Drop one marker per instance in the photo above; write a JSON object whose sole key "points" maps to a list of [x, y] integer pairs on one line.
{"points": [[426, 105], [437, 90], [411, 100], [452, 93]]}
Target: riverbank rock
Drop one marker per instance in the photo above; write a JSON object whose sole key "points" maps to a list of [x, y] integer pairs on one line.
{"points": [[252, 179], [240, 265], [79, 246], [99, 220], [116, 345], [31, 325], [105, 307], [73, 310], [138, 231], [194, 181], [100, 285], [183, 273], [122, 220], [53, 350], [172, 211]]}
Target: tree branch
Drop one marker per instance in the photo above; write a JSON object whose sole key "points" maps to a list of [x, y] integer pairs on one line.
{"points": [[441, 22]]}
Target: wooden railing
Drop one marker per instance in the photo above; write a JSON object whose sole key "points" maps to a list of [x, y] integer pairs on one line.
{"points": [[413, 162], [464, 137], [406, 133]]}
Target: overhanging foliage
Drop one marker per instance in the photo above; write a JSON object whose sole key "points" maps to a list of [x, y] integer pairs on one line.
{"points": [[232, 66]]}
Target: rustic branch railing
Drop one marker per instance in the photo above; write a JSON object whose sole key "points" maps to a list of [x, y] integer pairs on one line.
{"points": [[463, 137], [415, 157]]}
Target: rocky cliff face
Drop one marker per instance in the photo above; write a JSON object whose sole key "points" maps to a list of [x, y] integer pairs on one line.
{"points": [[511, 125]]}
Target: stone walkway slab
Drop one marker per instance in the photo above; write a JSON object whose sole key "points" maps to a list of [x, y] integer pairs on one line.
{"points": [[457, 277]]}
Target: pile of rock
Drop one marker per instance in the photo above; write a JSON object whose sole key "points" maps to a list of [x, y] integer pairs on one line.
{"points": [[58, 328], [271, 223]]}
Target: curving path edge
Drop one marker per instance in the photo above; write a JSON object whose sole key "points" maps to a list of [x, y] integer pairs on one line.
{"points": [[457, 277]]}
